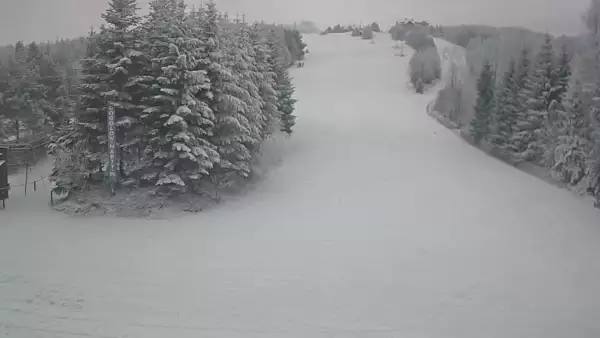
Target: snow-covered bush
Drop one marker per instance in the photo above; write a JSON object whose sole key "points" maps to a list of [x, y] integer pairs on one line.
{"points": [[425, 68]]}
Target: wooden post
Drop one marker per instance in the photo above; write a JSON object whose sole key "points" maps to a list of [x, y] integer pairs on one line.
{"points": [[26, 170]]}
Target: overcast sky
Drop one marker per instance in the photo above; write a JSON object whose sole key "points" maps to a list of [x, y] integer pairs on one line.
{"points": [[47, 19]]}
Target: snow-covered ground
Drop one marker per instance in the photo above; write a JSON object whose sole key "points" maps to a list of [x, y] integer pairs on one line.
{"points": [[379, 222]]}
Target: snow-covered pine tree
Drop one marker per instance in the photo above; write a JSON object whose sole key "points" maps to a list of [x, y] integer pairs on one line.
{"points": [[587, 71], [250, 79], [179, 123], [52, 99], [210, 54], [553, 128], [544, 84], [573, 145], [563, 73], [545, 77], [111, 71], [505, 112], [233, 134], [125, 63], [4, 85], [80, 151], [375, 27], [525, 122], [21, 98], [286, 102], [283, 50], [265, 83], [229, 97], [299, 49], [480, 125], [523, 68], [283, 84]]}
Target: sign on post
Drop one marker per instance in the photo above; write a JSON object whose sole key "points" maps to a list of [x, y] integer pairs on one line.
{"points": [[112, 147], [4, 186]]}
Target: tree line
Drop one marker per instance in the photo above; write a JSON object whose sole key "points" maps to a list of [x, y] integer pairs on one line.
{"points": [[544, 109], [194, 95], [37, 89], [354, 29], [425, 64]]}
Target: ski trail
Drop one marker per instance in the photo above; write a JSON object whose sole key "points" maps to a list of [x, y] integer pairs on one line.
{"points": [[377, 222]]}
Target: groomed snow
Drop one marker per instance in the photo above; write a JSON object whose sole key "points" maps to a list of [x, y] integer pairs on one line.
{"points": [[378, 222]]}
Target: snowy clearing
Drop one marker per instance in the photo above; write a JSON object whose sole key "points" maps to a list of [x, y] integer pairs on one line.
{"points": [[378, 222]]}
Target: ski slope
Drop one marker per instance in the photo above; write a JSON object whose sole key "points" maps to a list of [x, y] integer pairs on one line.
{"points": [[378, 222]]}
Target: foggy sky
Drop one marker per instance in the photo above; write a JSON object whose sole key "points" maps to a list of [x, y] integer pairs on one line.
{"points": [[42, 20]]}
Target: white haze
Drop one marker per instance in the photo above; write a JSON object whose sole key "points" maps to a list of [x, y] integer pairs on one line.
{"points": [[48, 19]]}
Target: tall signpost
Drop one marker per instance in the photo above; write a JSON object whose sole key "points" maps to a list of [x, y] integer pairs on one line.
{"points": [[112, 148]]}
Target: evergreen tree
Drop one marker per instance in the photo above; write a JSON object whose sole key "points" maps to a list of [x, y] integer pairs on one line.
{"points": [[234, 134], [545, 77], [480, 125], [266, 84], [367, 33], [53, 100], [564, 75], [523, 69], [24, 92], [572, 138], [125, 63], [4, 86], [211, 54], [587, 71], [375, 27], [178, 122], [283, 86], [541, 107], [294, 43], [111, 76], [286, 102], [88, 136], [250, 81], [506, 110], [525, 122]]}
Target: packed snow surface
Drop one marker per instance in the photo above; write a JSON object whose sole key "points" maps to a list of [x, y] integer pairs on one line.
{"points": [[378, 222]]}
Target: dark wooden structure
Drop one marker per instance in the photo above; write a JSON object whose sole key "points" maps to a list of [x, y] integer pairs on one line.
{"points": [[4, 186]]}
